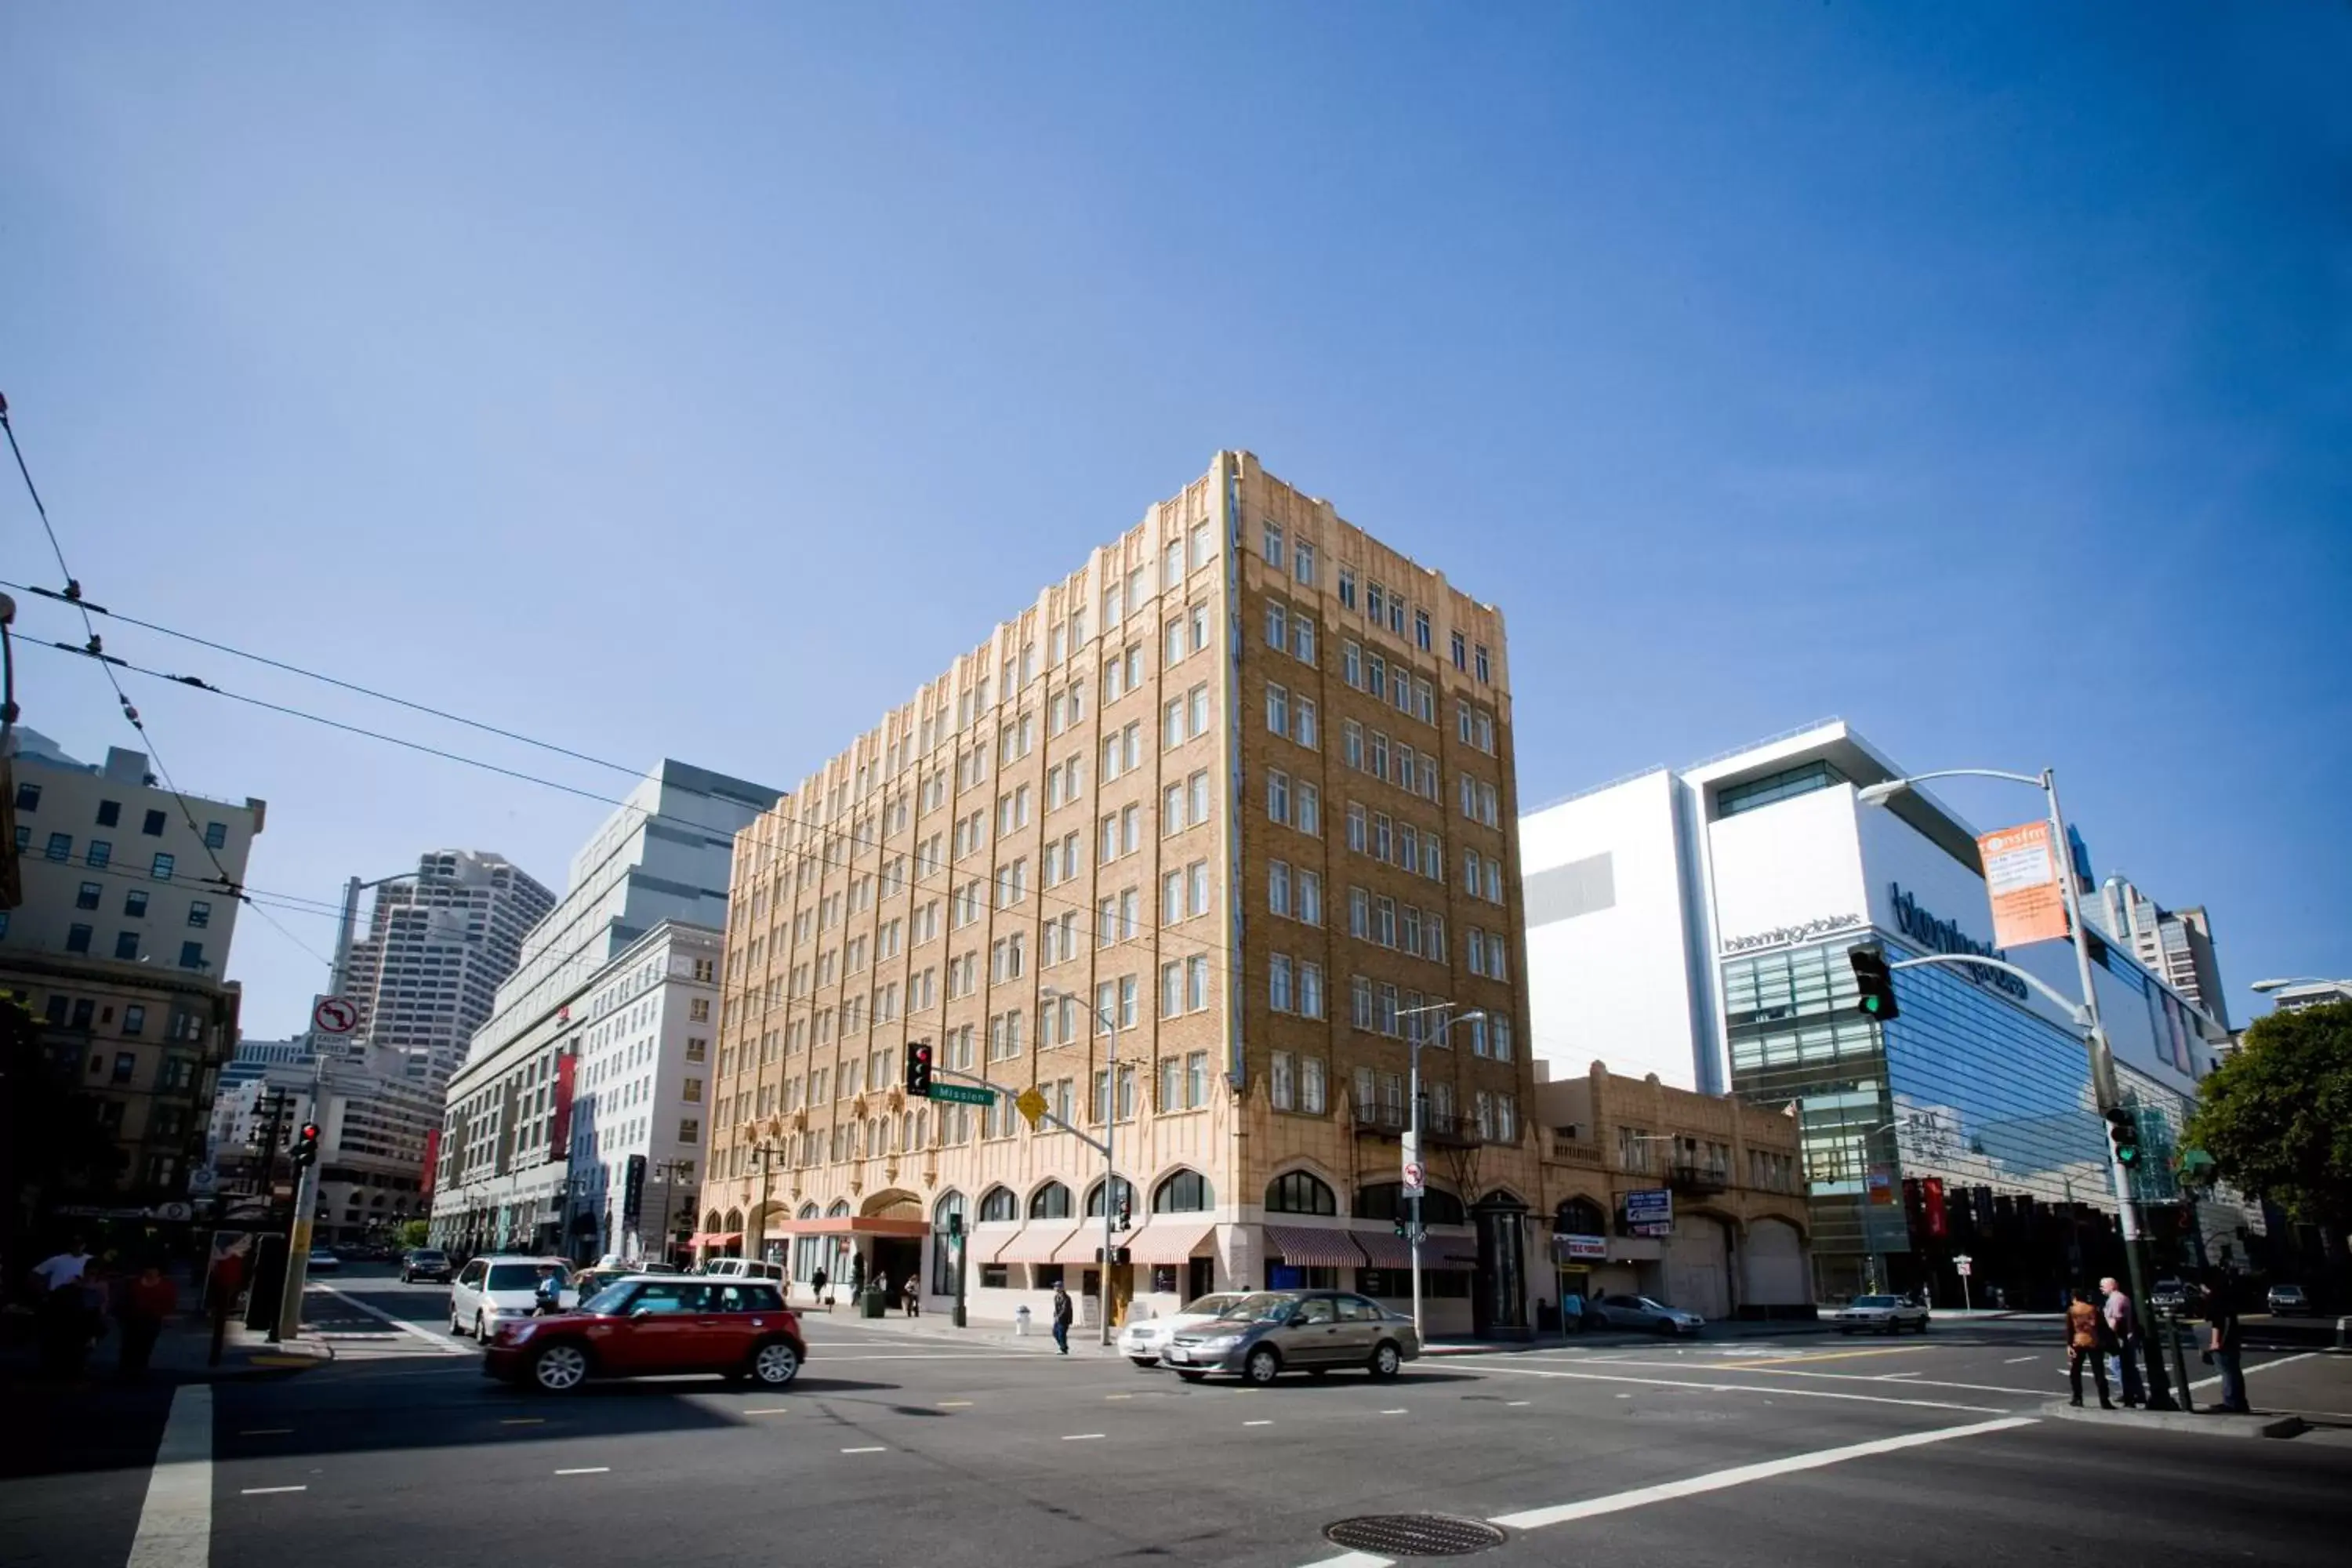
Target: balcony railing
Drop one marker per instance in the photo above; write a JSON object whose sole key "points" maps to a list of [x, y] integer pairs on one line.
{"points": [[1392, 1120], [1697, 1180], [1576, 1151], [1381, 1121]]}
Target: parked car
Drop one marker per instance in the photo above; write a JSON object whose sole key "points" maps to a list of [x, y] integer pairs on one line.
{"points": [[426, 1263], [1880, 1314], [743, 1268], [2288, 1301], [2169, 1296], [490, 1289], [1261, 1337], [1619, 1311], [655, 1325], [323, 1260], [1142, 1339]]}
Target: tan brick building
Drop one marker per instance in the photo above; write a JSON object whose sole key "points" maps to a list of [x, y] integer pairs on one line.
{"points": [[1736, 1244], [1231, 798]]}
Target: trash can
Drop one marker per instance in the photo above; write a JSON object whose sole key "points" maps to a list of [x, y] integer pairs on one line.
{"points": [[870, 1304]]}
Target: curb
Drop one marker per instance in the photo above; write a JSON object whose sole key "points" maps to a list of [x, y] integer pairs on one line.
{"points": [[2186, 1422]]}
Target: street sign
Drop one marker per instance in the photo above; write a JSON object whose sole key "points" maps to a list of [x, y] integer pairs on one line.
{"points": [[1964, 1266], [1030, 1105], [1416, 1178], [2022, 881], [334, 1015], [963, 1094]]}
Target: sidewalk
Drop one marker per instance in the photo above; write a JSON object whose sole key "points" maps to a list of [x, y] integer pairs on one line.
{"points": [[183, 1354]]}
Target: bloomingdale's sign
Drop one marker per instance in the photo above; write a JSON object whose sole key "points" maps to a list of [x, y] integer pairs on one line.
{"points": [[1785, 936], [1942, 936]]}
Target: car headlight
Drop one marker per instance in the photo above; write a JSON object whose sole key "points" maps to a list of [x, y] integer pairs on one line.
{"points": [[1219, 1341]]}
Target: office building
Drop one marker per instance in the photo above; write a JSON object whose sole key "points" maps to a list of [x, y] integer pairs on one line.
{"points": [[2178, 947], [1187, 845], [577, 1123], [439, 946], [118, 947], [1695, 923]]}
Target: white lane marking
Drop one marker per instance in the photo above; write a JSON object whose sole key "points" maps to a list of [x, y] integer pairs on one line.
{"points": [[1119, 1396], [1538, 1517], [941, 1356], [440, 1342], [877, 1448], [1895, 1377], [587, 1471], [1258, 1423], [1080, 1437], [955, 1404], [1740, 1388], [771, 1410], [265, 1491], [2019, 1360], [175, 1524], [2258, 1366], [1397, 1412], [1353, 1560], [1916, 1380], [1516, 1403]]}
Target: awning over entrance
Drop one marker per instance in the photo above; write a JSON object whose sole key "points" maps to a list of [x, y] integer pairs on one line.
{"points": [[715, 1239], [1439, 1254], [852, 1225], [1303, 1246], [1170, 1240], [1383, 1248], [1083, 1244], [1035, 1244]]}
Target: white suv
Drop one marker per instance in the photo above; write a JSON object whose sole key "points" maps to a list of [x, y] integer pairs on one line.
{"points": [[743, 1268], [490, 1289]]}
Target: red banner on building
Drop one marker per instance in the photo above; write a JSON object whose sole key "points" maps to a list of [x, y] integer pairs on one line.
{"points": [[431, 1164], [1931, 1204], [559, 1135]]}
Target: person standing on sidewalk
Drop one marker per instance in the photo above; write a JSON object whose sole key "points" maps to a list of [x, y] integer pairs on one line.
{"points": [[817, 1282], [147, 1303], [1063, 1313], [2222, 1344], [2084, 1330], [2123, 1329]]}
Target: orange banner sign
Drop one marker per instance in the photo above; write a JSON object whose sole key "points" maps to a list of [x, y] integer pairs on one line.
{"points": [[2029, 902]]}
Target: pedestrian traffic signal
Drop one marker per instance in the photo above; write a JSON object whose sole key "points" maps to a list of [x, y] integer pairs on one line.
{"points": [[1126, 1214], [1874, 982], [2123, 1132], [918, 1069], [1400, 1228], [306, 1145]]}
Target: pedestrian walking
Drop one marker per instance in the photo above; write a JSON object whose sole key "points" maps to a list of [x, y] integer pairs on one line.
{"points": [[914, 1296], [2123, 1329], [2221, 1349], [856, 1279], [1063, 1313], [60, 1270], [2084, 1329], [147, 1304], [817, 1282]]}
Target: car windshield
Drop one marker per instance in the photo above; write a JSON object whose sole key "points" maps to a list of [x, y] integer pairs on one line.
{"points": [[608, 1301], [515, 1276], [428, 1257], [1653, 1306], [1263, 1308], [1875, 1302]]}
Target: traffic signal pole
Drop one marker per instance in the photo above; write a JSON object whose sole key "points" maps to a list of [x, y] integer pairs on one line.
{"points": [[297, 1232]]}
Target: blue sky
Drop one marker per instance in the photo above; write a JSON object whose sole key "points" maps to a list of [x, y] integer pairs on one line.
{"points": [[1981, 379]]}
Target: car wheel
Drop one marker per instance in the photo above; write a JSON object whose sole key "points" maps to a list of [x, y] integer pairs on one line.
{"points": [[1263, 1366], [1192, 1376], [1923, 1325], [1386, 1360], [1666, 1327], [481, 1329], [776, 1363], [1145, 1362], [560, 1368], [456, 1327]]}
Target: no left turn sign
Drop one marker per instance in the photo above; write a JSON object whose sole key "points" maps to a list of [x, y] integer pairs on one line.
{"points": [[335, 1015]]}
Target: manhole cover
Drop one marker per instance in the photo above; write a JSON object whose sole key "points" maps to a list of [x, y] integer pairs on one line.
{"points": [[1413, 1534]]}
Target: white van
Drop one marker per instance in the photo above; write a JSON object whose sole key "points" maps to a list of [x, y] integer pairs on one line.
{"points": [[490, 1288], [743, 1268]]}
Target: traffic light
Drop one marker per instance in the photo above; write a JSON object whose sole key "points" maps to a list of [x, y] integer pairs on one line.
{"points": [[1875, 982], [1126, 1214], [1402, 1229], [2123, 1132], [306, 1145], [918, 1069]]}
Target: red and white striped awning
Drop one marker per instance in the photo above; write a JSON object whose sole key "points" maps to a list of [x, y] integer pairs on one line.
{"points": [[1035, 1244], [1306, 1247], [1383, 1248], [1168, 1240]]}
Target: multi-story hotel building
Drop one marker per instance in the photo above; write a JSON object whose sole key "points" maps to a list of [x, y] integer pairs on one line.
{"points": [[1224, 807]]}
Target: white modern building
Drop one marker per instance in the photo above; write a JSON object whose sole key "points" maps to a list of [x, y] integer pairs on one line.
{"points": [[579, 1119], [439, 945], [1695, 923]]}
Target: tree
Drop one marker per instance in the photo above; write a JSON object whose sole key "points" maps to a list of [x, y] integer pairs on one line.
{"points": [[2277, 1116], [409, 1233]]}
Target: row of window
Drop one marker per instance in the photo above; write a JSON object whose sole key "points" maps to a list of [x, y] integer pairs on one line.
{"points": [[126, 945], [134, 903], [1367, 672], [110, 815], [96, 855]]}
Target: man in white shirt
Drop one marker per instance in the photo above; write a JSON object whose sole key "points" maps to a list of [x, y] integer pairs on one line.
{"points": [[63, 1269]]}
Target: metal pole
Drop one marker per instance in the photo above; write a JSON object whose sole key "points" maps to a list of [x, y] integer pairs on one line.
{"points": [[298, 1234], [1413, 1133], [959, 1239], [2103, 1090], [1110, 1172]]}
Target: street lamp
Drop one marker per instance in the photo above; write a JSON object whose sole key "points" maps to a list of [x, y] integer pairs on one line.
{"points": [[764, 1148], [1109, 1025], [2095, 1036], [1415, 1040], [670, 1171]]}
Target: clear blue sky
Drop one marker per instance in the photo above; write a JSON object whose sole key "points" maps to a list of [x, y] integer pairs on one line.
{"points": [[1981, 377]]}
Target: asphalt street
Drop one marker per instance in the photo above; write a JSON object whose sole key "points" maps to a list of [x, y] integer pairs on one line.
{"points": [[905, 1445]]}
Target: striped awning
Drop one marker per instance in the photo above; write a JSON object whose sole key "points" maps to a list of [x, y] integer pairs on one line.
{"points": [[1304, 1246], [1383, 1248], [1084, 1245], [1035, 1244], [1169, 1239]]}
